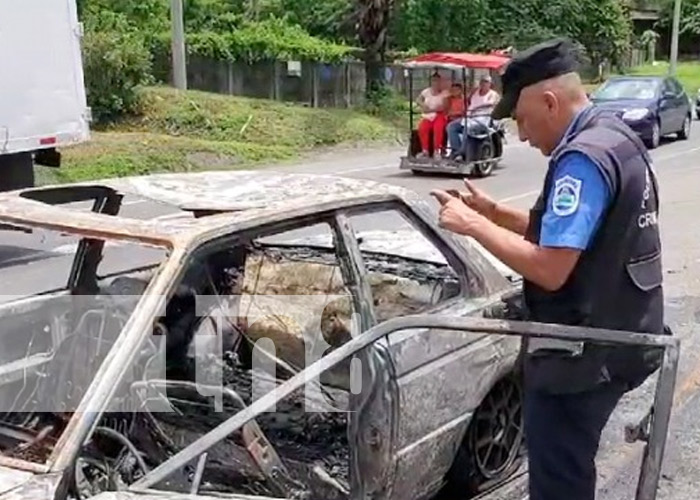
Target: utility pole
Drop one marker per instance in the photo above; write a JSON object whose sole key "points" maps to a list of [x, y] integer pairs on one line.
{"points": [[178, 44], [674, 37]]}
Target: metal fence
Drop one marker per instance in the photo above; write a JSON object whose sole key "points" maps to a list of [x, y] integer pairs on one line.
{"points": [[317, 84], [314, 84]]}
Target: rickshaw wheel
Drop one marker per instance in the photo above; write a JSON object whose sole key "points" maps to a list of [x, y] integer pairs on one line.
{"points": [[486, 152]]}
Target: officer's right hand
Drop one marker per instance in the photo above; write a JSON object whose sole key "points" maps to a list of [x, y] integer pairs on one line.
{"points": [[477, 200]]}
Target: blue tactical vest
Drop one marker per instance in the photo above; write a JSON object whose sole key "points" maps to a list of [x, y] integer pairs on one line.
{"points": [[617, 282]]}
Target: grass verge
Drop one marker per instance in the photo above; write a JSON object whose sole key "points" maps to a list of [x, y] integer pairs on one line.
{"points": [[187, 131], [688, 73]]}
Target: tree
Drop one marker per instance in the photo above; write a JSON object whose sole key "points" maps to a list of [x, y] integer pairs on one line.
{"points": [[690, 16], [601, 26], [373, 19]]}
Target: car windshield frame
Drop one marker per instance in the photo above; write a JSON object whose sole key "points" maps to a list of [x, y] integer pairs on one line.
{"points": [[81, 264], [599, 93]]}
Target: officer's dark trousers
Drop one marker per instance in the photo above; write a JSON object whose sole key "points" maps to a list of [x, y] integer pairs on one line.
{"points": [[562, 434]]}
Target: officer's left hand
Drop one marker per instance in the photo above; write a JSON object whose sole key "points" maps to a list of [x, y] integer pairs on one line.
{"points": [[455, 215]]}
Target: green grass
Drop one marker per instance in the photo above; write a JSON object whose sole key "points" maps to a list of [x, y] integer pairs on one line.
{"points": [[186, 131], [688, 74]]}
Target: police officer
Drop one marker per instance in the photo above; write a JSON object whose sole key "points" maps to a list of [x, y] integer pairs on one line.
{"points": [[590, 254]]}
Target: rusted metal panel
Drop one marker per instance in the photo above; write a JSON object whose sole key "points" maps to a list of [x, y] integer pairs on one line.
{"points": [[455, 384], [21, 211], [243, 190], [421, 467]]}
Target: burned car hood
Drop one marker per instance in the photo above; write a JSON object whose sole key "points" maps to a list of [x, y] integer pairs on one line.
{"points": [[407, 244]]}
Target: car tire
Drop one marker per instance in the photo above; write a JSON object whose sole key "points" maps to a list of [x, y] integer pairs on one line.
{"points": [[472, 472], [684, 133], [655, 139]]}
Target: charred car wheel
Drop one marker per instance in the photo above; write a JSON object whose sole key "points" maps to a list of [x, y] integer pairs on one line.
{"points": [[493, 447]]}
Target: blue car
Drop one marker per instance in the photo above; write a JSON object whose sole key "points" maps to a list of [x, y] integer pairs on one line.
{"points": [[653, 106]]}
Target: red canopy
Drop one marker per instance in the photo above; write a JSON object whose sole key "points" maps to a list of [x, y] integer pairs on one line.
{"points": [[460, 59]]}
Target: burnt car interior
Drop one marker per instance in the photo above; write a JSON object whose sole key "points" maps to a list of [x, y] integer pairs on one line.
{"points": [[288, 453]]}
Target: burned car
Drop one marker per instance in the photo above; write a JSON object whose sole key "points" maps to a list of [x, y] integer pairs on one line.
{"points": [[141, 315]]}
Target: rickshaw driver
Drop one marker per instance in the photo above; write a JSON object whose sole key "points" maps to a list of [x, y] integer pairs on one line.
{"points": [[484, 99]]}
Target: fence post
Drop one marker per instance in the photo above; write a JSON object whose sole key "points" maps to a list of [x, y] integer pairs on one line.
{"points": [[347, 85], [229, 65], [276, 73], [314, 85]]}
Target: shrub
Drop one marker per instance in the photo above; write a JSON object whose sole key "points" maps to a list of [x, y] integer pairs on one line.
{"points": [[116, 62]]}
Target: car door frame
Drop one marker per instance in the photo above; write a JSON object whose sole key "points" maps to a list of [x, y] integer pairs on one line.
{"points": [[419, 351]]}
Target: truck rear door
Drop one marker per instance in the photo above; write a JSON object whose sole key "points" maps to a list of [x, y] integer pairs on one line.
{"points": [[42, 93]]}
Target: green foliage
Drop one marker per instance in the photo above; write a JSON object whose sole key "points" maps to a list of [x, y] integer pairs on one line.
{"points": [[601, 26], [271, 38], [116, 63], [230, 30], [690, 16], [389, 104], [328, 19]]}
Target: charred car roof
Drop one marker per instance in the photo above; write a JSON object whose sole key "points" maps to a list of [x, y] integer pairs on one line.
{"points": [[232, 198]]}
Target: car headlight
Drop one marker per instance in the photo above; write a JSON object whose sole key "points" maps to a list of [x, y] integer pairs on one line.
{"points": [[635, 114]]}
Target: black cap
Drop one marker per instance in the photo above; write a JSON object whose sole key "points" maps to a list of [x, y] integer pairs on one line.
{"points": [[540, 62]]}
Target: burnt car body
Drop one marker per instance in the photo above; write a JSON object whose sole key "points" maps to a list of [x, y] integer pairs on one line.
{"points": [[653, 106], [116, 385], [82, 392]]}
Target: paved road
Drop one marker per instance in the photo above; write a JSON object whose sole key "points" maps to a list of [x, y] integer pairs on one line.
{"points": [[517, 182]]}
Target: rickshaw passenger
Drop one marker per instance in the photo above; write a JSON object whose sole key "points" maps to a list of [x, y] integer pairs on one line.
{"points": [[456, 105], [481, 99], [433, 102]]}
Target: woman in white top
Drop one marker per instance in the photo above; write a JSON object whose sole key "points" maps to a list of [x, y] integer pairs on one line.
{"points": [[433, 103]]}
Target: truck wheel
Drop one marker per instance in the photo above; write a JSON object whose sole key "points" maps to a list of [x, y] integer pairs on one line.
{"points": [[16, 171]]}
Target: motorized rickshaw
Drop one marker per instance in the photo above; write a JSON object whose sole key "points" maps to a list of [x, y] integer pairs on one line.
{"points": [[482, 138]]}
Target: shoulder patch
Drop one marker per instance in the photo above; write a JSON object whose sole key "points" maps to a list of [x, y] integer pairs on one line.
{"points": [[567, 195]]}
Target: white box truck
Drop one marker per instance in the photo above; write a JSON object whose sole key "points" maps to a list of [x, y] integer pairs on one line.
{"points": [[42, 91]]}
